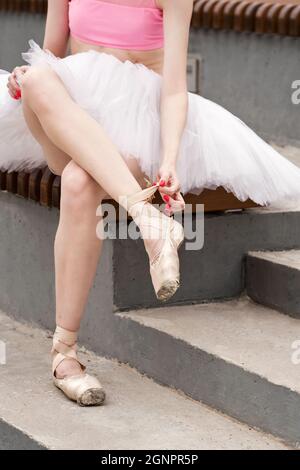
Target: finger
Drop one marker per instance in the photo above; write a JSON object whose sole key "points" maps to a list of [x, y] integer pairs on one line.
{"points": [[176, 200], [179, 201], [18, 73], [177, 204], [20, 69], [13, 89], [13, 85], [11, 94], [163, 180], [174, 205], [170, 190], [24, 68]]}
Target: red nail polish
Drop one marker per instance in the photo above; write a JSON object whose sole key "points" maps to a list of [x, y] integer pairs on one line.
{"points": [[166, 198], [162, 183], [168, 206]]}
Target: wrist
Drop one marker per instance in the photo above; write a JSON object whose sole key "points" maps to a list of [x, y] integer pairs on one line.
{"points": [[169, 160]]}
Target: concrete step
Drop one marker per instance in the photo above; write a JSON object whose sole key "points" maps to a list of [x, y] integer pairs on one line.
{"points": [[273, 279], [215, 271], [235, 356], [138, 414]]}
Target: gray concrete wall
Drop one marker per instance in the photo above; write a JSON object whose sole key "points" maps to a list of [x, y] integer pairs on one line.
{"points": [[15, 31], [27, 233], [251, 75]]}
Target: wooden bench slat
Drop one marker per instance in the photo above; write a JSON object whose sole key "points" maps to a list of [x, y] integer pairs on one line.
{"points": [[228, 16], [238, 15], [283, 20], [294, 22], [23, 184], [3, 180], [35, 185], [56, 192], [12, 182], [46, 188], [272, 18]]}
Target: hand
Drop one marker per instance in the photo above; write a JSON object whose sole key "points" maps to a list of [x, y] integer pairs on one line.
{"points": [[12, 84], [169, 188]]}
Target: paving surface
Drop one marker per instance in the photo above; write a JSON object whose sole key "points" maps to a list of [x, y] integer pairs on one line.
{"points": [[138, 414]]}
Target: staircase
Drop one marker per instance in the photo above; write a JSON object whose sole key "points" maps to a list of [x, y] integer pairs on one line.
{"points": [[214, 343], [273, 279], [138, 413]]}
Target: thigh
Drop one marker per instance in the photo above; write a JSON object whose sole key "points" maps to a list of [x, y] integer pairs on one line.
{"points": [[56, 158]]}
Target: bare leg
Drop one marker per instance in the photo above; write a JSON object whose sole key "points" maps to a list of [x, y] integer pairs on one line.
{"points": [[56, 158], [76, 133], [77, 249]]}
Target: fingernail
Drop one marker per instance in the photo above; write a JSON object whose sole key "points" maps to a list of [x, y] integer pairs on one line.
{"points": [[166, 198], [168, 206], [162, 183], [17, 95]]}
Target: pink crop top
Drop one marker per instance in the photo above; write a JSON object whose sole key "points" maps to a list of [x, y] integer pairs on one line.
{"points": [[121, 24]]}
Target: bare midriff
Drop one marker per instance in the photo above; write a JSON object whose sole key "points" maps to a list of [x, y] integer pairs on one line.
{"points": [[152, 59]]}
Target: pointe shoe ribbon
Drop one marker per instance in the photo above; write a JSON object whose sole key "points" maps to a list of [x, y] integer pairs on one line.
{"points": [[64, 346], [147, 195], [83, 388]]}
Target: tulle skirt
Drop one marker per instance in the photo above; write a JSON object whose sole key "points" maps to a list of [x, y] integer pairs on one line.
{"points": [[217, 148]]}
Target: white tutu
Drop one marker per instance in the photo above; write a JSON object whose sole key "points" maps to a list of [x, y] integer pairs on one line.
{"points": [[217, 148]]}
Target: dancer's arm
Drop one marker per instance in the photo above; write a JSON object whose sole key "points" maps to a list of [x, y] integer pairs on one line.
{"points": [[174, 98], [57, 27]]}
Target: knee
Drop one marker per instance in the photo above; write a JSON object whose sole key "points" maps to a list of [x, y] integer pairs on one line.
{"points": [[36, 88], [80, 192]]}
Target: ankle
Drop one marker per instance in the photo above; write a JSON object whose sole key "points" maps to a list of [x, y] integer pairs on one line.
{"points": [[67, 368], [66, 336]]}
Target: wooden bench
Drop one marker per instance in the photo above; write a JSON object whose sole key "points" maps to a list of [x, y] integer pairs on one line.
{"points": [[43, 187], [260, 16]]}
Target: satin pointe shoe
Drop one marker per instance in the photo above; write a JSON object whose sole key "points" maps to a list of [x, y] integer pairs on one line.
{"points": [[164, 268], [83, 388]]}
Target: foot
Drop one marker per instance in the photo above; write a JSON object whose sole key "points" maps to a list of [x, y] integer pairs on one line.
{"points": [[153, 225], [69, 374], [162, 237], [67, 368]]}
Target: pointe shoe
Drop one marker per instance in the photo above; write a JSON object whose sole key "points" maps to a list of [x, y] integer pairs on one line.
{"points": [[164, 269], [83, 388]]}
